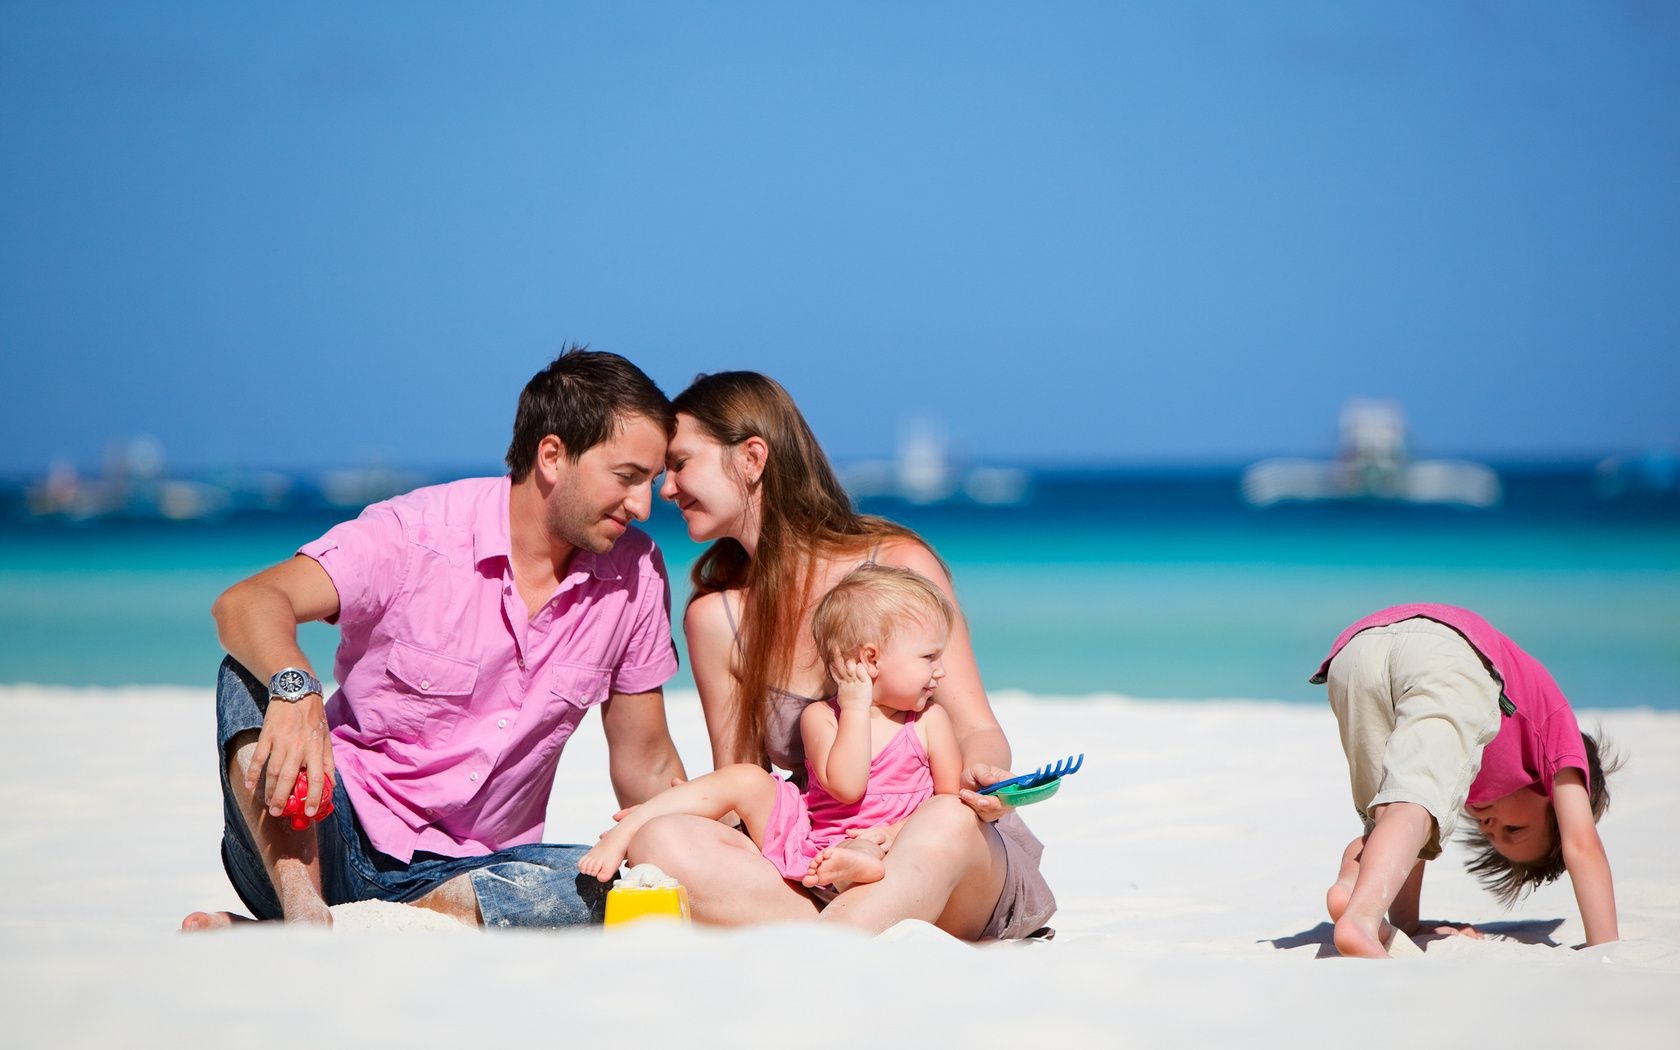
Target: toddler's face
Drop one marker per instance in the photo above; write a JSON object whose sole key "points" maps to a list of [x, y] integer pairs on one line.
{"points": [[911, 665], [1518, 825]]}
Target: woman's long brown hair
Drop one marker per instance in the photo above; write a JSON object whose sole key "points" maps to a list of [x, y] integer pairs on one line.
{"points": [[805, 515]]}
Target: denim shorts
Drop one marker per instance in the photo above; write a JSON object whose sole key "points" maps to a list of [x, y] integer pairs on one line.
{"points": [[536, 885]]}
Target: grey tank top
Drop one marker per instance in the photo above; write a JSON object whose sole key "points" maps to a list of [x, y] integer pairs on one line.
{"points": [[782, 743]]}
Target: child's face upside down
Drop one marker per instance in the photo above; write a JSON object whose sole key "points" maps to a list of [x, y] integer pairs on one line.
{"points": [[1517, 825]]}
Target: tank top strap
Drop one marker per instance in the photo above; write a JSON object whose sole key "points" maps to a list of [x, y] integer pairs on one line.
{"points": [[729, 614]]}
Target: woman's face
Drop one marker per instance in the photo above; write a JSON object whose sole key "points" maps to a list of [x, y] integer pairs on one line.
{"points": [[702, 479]]}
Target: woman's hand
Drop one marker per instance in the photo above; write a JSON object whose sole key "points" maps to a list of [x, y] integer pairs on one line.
{"points": [[979, 775]]}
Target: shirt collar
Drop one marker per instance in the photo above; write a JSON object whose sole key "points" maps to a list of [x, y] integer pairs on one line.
{"points": [[490, 530], [492, 539]]}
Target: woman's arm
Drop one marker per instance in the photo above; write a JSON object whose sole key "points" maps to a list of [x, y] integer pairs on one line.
{"points": [[1584, 857], [711, 650], [944, 757]]}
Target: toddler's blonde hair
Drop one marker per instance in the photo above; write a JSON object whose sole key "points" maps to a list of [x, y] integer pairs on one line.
{"points": [[870, 604]]}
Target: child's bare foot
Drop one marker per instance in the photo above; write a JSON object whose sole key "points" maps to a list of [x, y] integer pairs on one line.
{"points": [[206, 921], [846, 864], [1358, 940], [602, 862], [1337, 897]]}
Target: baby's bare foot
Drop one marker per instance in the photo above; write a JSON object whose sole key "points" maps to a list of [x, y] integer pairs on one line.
{"points": [[846, 865], [602, 862]]}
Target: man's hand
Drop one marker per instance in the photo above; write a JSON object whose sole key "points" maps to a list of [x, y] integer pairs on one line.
{"points": [[979, 775], [294, 736]]}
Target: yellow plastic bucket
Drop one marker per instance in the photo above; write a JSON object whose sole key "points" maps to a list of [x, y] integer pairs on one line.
{"points": [[630, 903]]}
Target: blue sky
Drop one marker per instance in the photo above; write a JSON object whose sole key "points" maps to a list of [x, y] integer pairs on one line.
{"points": [[305, 235]]}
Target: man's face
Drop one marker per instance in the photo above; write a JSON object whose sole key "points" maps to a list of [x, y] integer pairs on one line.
{"points": [[609, 486]]}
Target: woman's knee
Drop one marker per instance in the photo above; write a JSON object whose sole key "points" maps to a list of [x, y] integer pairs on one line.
{"points": [[664, 838], [944, 826]]}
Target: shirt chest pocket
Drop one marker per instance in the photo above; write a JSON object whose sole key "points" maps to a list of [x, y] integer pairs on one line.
{"points": [[573, 690], [434, 693]]}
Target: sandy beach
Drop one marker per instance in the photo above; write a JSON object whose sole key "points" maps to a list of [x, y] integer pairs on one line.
{"points": [[1189, 857]]}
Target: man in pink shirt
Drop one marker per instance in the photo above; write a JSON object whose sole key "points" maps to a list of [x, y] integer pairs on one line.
{"points": [[479, 623]]}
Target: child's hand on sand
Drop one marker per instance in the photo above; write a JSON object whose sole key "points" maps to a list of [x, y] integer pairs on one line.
{"points": [[854, 680]]}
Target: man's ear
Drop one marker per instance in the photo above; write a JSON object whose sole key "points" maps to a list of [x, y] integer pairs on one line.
{"points": [[551, 459], [753, 453]]}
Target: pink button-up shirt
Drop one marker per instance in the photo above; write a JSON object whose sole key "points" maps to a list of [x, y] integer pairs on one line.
{"points": [[453, 703]]}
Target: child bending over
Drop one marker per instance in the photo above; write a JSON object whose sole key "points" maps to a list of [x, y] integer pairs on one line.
{"points": [[873, 753], [1440, 713]]}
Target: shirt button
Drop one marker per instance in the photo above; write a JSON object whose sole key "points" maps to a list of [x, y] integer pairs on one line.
{"points": [[472, 776], [425, 683], [522, 663], [502, 724]]}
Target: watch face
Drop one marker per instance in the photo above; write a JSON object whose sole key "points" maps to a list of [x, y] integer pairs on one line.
{"points": [[291, 682]]}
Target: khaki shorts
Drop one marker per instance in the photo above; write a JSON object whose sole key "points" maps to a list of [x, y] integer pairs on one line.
{"points": [[1416, 706]]}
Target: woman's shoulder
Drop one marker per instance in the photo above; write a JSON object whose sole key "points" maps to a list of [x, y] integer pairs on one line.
{"points": [[913, 553], [711, 617]]}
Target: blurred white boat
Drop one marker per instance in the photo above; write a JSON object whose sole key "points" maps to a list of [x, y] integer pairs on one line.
{"points": [[1371, 464], [922, 472]]}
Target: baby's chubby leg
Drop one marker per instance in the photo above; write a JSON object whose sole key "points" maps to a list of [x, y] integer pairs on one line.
{"points": [[843, 865], [746, 789]]}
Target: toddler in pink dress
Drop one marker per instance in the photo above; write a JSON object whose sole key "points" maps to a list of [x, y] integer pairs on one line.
{"points": [[873, 752]]}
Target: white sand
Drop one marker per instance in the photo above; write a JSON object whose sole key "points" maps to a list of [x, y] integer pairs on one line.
{"points": [[1190, 859]]}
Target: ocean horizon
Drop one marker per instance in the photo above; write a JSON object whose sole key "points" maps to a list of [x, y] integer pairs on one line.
{"points": [[1153, 582]]}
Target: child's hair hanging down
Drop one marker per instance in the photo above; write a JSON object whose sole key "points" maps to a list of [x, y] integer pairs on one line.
{"points": [[1511, 880]]}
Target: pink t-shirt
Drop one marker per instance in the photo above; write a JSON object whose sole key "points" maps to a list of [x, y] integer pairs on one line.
{"points": [[1539, 739], [453, 703]]}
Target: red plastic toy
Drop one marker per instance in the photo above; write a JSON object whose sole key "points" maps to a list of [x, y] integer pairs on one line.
{"points": [[300, 792]]}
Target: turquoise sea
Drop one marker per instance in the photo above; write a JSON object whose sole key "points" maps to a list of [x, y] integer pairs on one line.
{"points": [[1148, 583]]}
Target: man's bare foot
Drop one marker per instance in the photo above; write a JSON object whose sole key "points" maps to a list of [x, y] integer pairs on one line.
{"points": [[845, 865], [1341, 891], [602, 862], [208, 921]]}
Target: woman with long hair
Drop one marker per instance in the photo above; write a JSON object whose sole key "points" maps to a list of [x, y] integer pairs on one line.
{"points": [[751, 480]]}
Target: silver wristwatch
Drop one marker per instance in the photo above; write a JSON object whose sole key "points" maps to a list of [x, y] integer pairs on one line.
{"points": [[292, 684]]}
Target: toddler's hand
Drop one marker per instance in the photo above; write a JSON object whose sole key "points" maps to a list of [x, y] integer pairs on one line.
{"points": [[856, 686], [881, 834]]}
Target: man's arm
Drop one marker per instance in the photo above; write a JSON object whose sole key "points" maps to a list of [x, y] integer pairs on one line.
{"points": [[641, 758], [257, 620], [1584, 857]]}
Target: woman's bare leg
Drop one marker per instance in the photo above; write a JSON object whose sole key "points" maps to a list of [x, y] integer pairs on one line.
{"points": [[944, 867], [729, 882]]}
